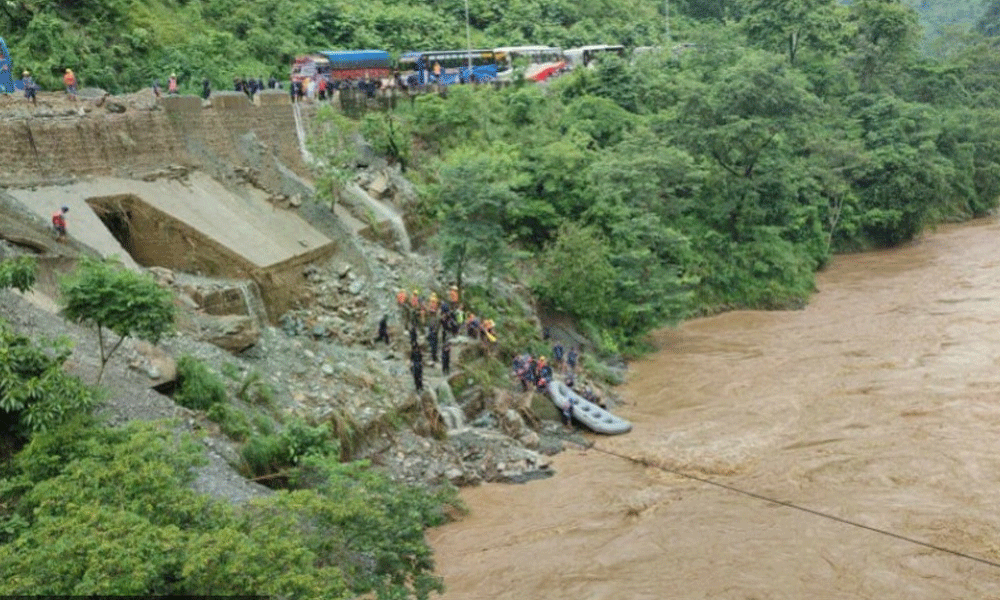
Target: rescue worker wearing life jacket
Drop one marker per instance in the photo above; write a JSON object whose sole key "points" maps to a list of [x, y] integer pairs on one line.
{"points": [[416, 309], [404, 308]]}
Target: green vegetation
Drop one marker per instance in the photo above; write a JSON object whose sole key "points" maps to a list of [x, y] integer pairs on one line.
{"points": [[35, 393], [629, 196], [89, 510], [198, 387], [640, 192], [108, 296], [18, 273]]}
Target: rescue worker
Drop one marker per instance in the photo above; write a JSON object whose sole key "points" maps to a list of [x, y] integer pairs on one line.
{"points": [[567, 414], [416, 308], [404, 309], [417, 367], [383, 330], [557, 354], [30, 89], [488, 326], [544, 376], [432, 340], [446, 356], [453, 296]]}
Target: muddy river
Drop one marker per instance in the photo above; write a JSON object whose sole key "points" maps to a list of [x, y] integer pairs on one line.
{"points": [[877, 408]]}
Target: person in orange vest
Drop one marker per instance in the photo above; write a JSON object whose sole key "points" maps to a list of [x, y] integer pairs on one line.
{"points": [[404, 308], [433, 305], [59, 223], [453, 296], [69, 79]]}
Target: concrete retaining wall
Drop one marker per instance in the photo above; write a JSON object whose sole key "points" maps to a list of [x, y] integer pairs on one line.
{"points": [[179, 131]]}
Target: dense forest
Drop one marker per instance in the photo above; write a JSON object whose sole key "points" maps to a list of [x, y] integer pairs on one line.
{"points": [[630, 195]]}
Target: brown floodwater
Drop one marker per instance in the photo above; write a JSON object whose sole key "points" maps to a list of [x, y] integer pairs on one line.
{"points": [[877, 404]]}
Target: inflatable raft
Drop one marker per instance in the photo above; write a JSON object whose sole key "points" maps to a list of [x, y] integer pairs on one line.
{"points": [[586, 412]]}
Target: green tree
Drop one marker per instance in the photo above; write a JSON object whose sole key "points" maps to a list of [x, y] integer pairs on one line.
{"points": [[887, 32], [475, 193], [108, 296], [788, 26], [575, 273]]}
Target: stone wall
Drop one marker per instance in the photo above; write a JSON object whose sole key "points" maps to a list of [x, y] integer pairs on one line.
{"points": [[176, 130]]}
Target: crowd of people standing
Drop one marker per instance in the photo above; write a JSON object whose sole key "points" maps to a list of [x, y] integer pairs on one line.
{"points": [[431, 323]]}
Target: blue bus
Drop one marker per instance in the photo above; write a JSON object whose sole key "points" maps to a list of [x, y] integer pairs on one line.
{"points": [[446, 67]]}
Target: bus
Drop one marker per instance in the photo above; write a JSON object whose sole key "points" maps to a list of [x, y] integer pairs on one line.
{"points": [[446, 67], [343, 65], [584, 55], [542, 62]]}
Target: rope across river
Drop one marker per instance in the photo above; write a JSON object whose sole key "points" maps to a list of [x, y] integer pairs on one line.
{"points": [[885, 532]]}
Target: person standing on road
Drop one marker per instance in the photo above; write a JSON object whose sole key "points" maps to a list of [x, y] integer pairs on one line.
{"points": [[30, 89], [206, 88], [69, 80], [172, 84]]}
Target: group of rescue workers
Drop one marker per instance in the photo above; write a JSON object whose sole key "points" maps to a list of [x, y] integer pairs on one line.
{"points": [[437, 321], [538, 373]]}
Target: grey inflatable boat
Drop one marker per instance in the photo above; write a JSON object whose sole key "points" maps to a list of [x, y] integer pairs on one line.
{"points": [[586, 412]]}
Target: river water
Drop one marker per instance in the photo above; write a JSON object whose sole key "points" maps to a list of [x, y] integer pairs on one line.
{"points": [[878, 404]]}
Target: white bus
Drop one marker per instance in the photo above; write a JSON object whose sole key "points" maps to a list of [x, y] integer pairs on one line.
{"points": [[584, 55], [542, 62]]}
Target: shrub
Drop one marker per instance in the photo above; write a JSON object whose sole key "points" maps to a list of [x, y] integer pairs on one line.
{"points": [[231, 420], [35, 393], [198, 387], [18, 273]]}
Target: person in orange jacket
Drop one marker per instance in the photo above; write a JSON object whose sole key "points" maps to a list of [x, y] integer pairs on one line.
{"points": [[69, 80]]}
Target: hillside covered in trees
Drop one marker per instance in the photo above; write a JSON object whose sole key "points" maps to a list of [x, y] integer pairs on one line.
{"points": [[629, 196], [122, 45], [641, 191], [679, 183]]}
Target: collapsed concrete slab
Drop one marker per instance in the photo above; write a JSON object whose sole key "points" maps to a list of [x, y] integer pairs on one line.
{"points": [[194, 225]]}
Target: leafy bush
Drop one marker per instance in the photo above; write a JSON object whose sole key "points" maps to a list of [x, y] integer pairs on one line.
{"points": [[272, 454], [18, 273], [36, 394], [231, 420], [255, 390], [198, 387]]}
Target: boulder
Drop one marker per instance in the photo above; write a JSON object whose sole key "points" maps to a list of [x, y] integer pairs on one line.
{"points": [[234, 333], [154, 362]]}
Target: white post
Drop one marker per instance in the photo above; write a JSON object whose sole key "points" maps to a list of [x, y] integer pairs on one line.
{"points": [[468, 39]]}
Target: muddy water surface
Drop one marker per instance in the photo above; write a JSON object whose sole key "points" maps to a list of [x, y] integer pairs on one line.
{"points": [[878, 404]]}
